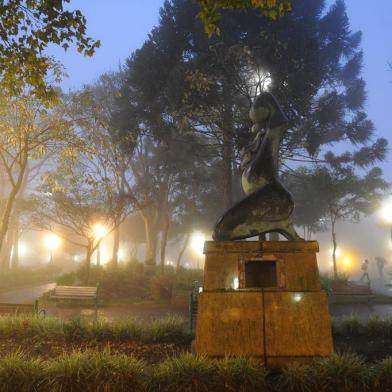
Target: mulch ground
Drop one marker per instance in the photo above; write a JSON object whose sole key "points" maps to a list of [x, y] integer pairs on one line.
{"points": [[149, 352], [370, 348], [152, 353]]}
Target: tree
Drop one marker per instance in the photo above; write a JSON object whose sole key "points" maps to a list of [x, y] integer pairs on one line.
{"points": [[27, 28], [29, 129], [97, 108], [310, 209], [168, 156], [171, 182], [342, 193], [83, 191]]}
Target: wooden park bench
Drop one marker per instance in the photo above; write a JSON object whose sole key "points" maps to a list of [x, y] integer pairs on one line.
{"points": [[17, 309], [350, 289], [78, 293]]}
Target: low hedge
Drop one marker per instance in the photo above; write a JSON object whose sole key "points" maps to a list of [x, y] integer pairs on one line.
{"points": [[169, 329], [352, 325], [90, 371]]}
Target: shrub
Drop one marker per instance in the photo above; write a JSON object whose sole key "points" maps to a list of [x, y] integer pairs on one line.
{"points": [[101, 330], [242, 375], [67, 279], [96, 371], [346, 372], [297, 378], [161, 287], [168, 329], [75, 330], [185, 277], [328, 281], [382, 376], [129, 329], [133, 280], [186, 373], [30, 325], [378, 327], [351, 325], [20, 373]]}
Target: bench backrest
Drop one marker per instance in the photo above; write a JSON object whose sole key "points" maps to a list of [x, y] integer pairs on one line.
{"points": [[351, 288], [76, 291]]}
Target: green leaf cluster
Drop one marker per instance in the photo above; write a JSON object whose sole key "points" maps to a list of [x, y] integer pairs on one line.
{"points": [[27, 27], [210, 13]]}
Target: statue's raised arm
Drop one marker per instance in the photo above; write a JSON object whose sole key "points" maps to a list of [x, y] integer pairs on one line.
{"points": [[268, 205]]}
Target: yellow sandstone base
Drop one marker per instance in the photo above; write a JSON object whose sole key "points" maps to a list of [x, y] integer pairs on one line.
{"points": [[263, 299]]}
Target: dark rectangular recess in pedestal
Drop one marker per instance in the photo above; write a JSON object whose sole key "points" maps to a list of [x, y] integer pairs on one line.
{"points": [[260, 274]]}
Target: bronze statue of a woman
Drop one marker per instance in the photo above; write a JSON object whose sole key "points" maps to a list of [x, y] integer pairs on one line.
{"points": [[268, 205]]}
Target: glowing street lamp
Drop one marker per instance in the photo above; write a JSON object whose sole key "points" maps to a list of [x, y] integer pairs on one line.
{"points": [[52, 242], [22, 249], [197, 244], [338, 251], [100, 232]]}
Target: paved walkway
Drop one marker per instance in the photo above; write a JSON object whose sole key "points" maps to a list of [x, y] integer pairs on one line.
{"points": [[25, 294], [148, 311]]}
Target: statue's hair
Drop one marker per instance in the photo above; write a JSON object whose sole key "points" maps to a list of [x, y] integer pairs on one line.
{"points": [[267, 99]]}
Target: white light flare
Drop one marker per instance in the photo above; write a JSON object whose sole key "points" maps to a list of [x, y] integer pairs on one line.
{"points": [[197, 243], [297, 297]]}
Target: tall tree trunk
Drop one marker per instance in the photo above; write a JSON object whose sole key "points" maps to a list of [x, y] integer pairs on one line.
{"points": [[227, 153], [165, 232], [9, 206], [15, 247], [116, 246], [6, 251], [335, 245], [99, 254], [151, 239], [164, 218], [88, 263], [182, 251]]}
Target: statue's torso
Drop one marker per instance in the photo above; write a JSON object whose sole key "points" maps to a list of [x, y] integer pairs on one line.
{"points": [[260, 160]]}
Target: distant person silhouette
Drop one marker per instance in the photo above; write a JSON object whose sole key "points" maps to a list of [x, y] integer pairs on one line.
{"points": [[381, 262], [365, 274]]}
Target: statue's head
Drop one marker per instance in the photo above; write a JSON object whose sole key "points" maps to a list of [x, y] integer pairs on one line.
{"points": [[265, 109]]}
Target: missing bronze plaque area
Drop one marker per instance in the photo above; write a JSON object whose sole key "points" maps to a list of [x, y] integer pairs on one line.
{"points": [[260, 274]]}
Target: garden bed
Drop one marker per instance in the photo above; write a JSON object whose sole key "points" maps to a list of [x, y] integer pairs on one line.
{"points": [[47, 354], [104, 371]]}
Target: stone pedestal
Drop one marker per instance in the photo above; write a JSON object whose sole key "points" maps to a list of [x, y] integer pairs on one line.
{"points": [[263, 299]]}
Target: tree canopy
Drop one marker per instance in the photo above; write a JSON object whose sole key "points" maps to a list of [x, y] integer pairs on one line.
{"points": [[27, 28]]}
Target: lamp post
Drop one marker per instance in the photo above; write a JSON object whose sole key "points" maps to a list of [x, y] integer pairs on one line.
{"points": [[52, 242], [100, 232]]}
